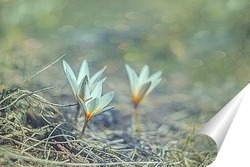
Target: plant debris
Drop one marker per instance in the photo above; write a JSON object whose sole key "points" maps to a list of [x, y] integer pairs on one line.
{"points": [[34, 132]]}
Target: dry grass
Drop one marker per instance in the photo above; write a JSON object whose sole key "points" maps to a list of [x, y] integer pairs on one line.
{"points": [[33, 132]]}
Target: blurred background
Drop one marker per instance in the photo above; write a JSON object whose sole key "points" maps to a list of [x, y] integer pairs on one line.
{"points": [[202, 47]]}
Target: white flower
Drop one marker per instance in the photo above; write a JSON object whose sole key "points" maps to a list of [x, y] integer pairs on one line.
{"points": [[77, 83], [95, 103], [143, 84]]}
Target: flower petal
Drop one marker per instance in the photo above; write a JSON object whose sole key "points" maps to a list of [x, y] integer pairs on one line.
{"points": [[153, 85], [97, 92], [130, 77], [97, 76], [82, 103], [84, 70], [105, 100], [82, 87], [92, 105], [70, 76], [155, 76], [144, 74], [87, 94], [107, 108], [144, 90], [93, 85], [99, 110], [133, 79]]}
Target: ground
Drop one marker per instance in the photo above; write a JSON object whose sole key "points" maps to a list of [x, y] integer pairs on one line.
{"points": [[202, 48], [38, 128]]}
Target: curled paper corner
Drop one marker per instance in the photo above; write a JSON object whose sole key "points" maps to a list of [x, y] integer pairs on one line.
{"points": [[230, 129]]}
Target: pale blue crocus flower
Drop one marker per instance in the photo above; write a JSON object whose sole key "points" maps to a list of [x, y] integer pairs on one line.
{"points": [[95, 103], [76, 82], [142, 84]]}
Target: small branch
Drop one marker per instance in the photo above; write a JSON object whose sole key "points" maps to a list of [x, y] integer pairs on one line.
{"points": [[43, 69]]}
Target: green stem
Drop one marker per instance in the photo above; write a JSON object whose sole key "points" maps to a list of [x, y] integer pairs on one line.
{"points": [[136, 123], [84, 126], [77, 113]]}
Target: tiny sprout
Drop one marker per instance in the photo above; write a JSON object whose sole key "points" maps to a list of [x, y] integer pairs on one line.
{"points": [[141, 86], [95, 103]]}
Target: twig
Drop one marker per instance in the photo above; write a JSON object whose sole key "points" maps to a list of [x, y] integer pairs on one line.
{"points": [[42, 100], [16, 100], [43, 69], [6, 98], [41, 161]]}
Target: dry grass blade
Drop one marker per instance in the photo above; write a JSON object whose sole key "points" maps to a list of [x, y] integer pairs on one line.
{"points": [[45, 68], [33, 132]]}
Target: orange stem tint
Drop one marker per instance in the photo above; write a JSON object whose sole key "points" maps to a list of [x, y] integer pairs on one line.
{"points": [[136, 100]]}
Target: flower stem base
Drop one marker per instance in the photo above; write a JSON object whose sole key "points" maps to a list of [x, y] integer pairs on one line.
{"points": [[84, 127], [136, 123]]}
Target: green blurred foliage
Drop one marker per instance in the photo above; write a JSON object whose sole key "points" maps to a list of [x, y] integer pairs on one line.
{"points": [[202, 47]]}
